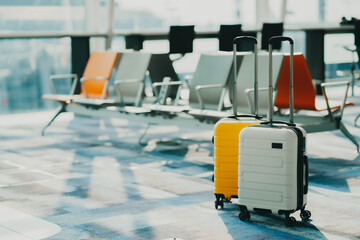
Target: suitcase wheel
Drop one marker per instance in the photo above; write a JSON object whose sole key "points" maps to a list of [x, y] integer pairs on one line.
{"points": [[290, 221], [219, 203], [244, 215], [305, 215]]}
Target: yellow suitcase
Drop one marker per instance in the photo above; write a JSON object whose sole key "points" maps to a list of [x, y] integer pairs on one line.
{"points": [[226, 140]]}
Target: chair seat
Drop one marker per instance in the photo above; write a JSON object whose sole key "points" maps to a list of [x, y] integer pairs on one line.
{"points": [[64, 98], [210, 114], [129, 109], [167, 108], [96, 102], [320, 104]]}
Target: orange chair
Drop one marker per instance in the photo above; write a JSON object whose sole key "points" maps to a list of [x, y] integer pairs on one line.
{"points": [[305, 99], [304, 91], [94, 82]]}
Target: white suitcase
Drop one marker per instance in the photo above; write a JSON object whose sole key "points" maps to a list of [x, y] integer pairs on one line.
{"points": [[273, 166]]}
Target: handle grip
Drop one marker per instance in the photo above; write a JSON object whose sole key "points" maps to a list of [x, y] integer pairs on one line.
{"points": [[240, 38], [306, 186], [279, 122], [246, 115], [280, 39]]}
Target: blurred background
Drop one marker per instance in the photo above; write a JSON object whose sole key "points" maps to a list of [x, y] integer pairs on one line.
{"points": [[26, 62]]}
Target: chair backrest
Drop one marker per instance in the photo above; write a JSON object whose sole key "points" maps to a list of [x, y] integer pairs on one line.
{"points": [[304, 90], [98, 71], [132, 66], [181, 39], [269, 30], [245, 80], [211, 69], [357, 38], [226, 36], [161, 66]]}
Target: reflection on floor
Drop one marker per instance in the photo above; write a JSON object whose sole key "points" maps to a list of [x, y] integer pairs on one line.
{"points": [[93, 179]]}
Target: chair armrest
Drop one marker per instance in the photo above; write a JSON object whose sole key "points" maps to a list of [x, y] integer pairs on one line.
{"points": [[351, 48], [249, 91], [199, 87], [119, 82], [127, 81], [187, 78], [323, 85], [159, 84], [64, 76], [166, 82], [83, 79]]}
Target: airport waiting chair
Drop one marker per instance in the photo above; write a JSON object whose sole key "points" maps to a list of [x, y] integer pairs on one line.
{"points": [[304, 91], [245, 82], [94, 82], [269, 30], [129, 84], [211, 113], [207, 87], [306, 101]]}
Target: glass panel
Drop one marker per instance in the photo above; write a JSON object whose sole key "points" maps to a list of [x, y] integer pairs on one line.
{"points": [[36, 16], [302, 12], [247, 12], [337, 59], [160, 14], [25, 68], [335, 10]]}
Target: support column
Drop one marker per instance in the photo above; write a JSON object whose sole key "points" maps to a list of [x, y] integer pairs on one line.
{"points": [[315, 56], [92, 22], [110, 26], [262, 12]]}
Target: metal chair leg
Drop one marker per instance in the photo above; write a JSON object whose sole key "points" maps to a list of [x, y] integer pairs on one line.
{"points": [[60, 109], [143, 135], [349, 136], [352, 76], [358, 116]]}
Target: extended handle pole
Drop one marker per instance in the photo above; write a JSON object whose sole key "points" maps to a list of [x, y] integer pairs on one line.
{"points": [[270, 85], [235, 41], [291, 85]]}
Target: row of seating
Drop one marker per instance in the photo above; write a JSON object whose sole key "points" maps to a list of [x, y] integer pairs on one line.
{"points": [[209, 90]]}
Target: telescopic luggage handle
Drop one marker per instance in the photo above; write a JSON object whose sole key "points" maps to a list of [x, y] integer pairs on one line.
{"points": [[291, 87], [235, 41]]}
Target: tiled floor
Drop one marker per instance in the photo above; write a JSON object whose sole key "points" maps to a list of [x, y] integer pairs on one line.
{"points": [[93, 179]]}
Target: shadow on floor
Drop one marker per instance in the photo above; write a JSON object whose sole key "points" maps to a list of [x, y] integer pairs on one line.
{"points": [[264, 226], [333, 173]]}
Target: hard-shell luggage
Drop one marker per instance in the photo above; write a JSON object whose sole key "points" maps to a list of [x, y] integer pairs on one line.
{"points": [[273, 166], [226, 139]]}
